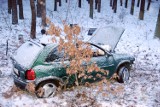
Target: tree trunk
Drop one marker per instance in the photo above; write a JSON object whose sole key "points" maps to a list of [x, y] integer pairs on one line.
{"points": [[14, 12], [55, 5], [138, 3], [43, 8], [9, 6], [111, 2], [39, 14], [33, 23], [91, 9], [126, 3], [66, 1], [149, 3], [115, 6], [60, 2], [157, 30], [121, 2], [141, 13], [132, 7], [96, 4], [79, 3], [21, 16], [99, 6]]}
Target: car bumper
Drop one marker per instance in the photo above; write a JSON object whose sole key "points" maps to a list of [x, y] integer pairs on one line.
{"points": [[18, 82]]}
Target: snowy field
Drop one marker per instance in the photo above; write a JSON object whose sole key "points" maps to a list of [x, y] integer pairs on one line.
{"points": [[143, 89]]}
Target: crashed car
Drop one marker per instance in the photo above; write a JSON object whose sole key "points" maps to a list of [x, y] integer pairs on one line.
{"points": [[38, 63]]}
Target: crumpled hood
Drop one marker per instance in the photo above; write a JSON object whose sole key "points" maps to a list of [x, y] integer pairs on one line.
{"points": [[107, 36]]}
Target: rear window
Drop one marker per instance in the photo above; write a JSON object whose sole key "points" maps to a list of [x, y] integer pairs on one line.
{"points": [[27, 53]]}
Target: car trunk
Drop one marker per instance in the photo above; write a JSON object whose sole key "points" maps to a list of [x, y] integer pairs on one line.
{"points": [[107, 36], [25, 56]]}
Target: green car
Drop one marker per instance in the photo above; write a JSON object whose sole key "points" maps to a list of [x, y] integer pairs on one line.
{"points": [[41, 63]]}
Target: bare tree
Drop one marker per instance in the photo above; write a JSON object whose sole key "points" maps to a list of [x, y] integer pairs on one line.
{"points": [[138, 3], [157, 31], [39, 8], [21, 16], [33, 23], [91, 9], [99, 5], [9, 6], [132, 7], [141, 13], [149, 3], [14, 12], [111, 2], [126, 3], [43, 9]]}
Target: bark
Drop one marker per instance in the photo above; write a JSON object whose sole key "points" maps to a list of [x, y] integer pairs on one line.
{"points": [[121, 2], [9, 6], [33, 22], [66, 1], [39, 13], [91, 9], [43, 9], [55, 5], [138, 3], [126, 3], [99, 6], [21, 16], [141, 13], [149, 3], [79, 3], [14, 12], [132, 7], [157, 30]]}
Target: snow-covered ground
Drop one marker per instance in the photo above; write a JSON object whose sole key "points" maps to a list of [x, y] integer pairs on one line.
{"points": [[143, 90]]}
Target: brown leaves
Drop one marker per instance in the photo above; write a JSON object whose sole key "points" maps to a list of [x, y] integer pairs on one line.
{"points": [[30, 87]]}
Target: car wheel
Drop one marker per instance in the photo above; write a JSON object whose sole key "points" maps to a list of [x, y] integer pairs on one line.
{"points": [[46, 89], [123, 74]]}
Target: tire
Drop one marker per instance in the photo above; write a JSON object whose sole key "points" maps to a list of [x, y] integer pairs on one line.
{"points": [[46, 89], [123, 74]]}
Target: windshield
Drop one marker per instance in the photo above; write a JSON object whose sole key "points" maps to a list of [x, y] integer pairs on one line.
{"points": [[27, 53], [107, 36]]}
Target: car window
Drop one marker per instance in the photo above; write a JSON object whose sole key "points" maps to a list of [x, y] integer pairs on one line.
{"points": [[97, 51], [55, 55]]}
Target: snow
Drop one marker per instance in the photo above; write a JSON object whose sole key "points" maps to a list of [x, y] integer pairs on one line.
{"points": [[27, 54], [143, 89]]}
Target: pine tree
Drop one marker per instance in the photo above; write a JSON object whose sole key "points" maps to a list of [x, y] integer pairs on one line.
{"points": [[14, 12], [21, 16], [132, 7], [141, 13], [33, 22]]}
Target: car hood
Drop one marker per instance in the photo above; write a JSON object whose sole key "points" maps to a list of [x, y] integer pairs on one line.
{"points": [[107, 36]]}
